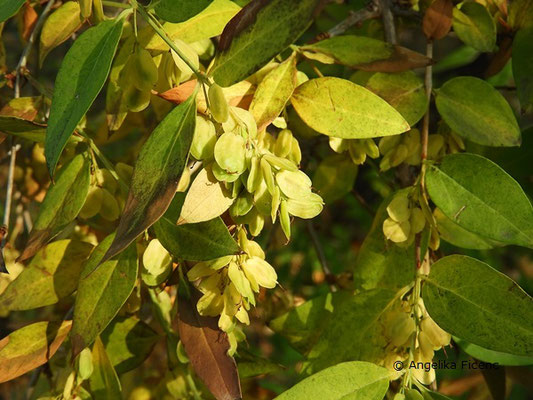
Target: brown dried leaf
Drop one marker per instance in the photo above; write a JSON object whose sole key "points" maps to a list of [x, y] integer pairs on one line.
{"points": [[29, 19], [30, 347], [207, 348], [402, 59], [438, 19]]}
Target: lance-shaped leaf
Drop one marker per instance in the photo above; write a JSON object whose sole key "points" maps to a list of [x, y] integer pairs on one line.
{"points": [[58, 27], [260, 31], [104, 381], [366, 53], [81, 76], [156, 175], [8, 8], [180, 10], [30, 347], [340, 108], [273, 93], [61, 205], [51, 275], [194, 242], [349, 380], [478, 112], [128, 342], [207, 198], [522, 67], [207, 348], [209, 23], [481, 197], [101, 292], [22, 128], [473, 301]]}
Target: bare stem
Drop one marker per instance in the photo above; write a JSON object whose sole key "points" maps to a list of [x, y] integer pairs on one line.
{"points": [[13, 156], [425, 123], [388, 21], [356, 17], [320, 254]]}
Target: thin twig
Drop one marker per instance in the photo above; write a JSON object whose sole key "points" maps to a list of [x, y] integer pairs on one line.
{"points": [[428, 81], [388, 21], [321, 256], [354, 18], [13, 157]]}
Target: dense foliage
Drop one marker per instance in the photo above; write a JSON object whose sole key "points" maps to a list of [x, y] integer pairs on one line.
{"points": [[290, 199]]}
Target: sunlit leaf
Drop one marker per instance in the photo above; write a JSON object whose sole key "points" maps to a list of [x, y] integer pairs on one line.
{"points": [[180, 10], [104, 381]]}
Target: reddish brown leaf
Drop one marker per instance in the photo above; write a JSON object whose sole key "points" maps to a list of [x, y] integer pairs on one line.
{"points": [[29, 19], [402, 59], [207, 348], [438, 19], [30, 347]]}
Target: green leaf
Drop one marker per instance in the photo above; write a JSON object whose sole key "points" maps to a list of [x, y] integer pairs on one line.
{"points": [[101, 292], [491, 356], [473, 301], [30, 347], [250, 365], [339, 108], [334, 177], [8, 8], [404, 91], [128, 342], [51, 275], [61, 205], [156, 175], [460, 237], [352, 332], [180, 10], [209, 23], [522, 67], [475, 26], [273, 93], [22, 128], [81, 76], [58, 27], [381, 264], [354, 380], [366, 53], [194, 242], [304, 324], [104, 381], [259, 32], [477, 112], [479, 196]]}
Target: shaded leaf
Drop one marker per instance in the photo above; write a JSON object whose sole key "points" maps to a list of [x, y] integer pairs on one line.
{"points": [[351, 380], [495, 380], [104, 381], [520, 14], [522, 67], [8, 8], [180, 10], [438, 19], [58, 27], [491, 356], [156, 175], [206, 199], [250, 365], [51, 275], [128, 342], [404, 91], [209, 23], [334, 177], [367, 54], [260, 31], [30, 347], [339, 108], [22, 128], [81, 76], [470, 299], [475, 26], [352, 333], [273, 93], [207, 347], [101, 292], [477, 112], [479, 196], [61, 205]]}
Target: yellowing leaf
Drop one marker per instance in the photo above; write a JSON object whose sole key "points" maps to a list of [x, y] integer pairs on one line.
{"points": [[104, 381], [339, 108], [206, 199]]}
